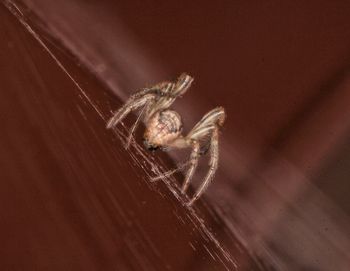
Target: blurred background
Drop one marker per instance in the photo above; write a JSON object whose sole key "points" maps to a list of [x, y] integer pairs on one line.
{"points": [[281, 197]]}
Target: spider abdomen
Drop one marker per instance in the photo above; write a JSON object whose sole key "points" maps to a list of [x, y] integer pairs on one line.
{"points": [[163, 128]]}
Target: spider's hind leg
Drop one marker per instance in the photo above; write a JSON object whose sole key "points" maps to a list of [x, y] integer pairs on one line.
{"points": [[195, 154], [206, 131], [213, 165], [170, 172]]}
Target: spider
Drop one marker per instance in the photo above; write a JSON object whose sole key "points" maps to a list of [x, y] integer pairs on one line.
{"points": [[164, 128]]}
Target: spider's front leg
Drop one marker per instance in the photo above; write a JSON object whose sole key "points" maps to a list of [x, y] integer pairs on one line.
{"points": [[133, 103], [144, 98]]}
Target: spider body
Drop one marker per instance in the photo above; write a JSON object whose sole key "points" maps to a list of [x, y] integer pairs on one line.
{"points": [[164, 127]]}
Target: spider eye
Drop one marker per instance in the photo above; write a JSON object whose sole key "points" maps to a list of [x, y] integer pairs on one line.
{"points": [[149, 146]]}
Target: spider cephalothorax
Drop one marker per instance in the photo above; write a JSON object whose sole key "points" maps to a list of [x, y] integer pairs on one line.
{"points": [[164, 127]]}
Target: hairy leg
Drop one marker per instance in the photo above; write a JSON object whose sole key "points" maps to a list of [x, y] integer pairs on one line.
{"points": [[175, 90], [136, 124], [213, 165], [130, 105], [195, 154], [143, 97], [183, 83], [171, 172], [208, 123]]}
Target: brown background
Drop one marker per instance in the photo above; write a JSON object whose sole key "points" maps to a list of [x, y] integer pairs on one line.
{"points": [[73, 198]]}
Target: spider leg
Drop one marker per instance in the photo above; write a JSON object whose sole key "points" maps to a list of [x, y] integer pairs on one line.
{"points": [[174, 90], [206, 131], [133, 128], [132, 104], [183, 83], [208, 123], [213, 165], [195, 154], [147, 97], [170, 172]]}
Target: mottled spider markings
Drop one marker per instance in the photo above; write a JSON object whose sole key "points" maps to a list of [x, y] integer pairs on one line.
{"points": [[164, 128], [171, 120]]}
